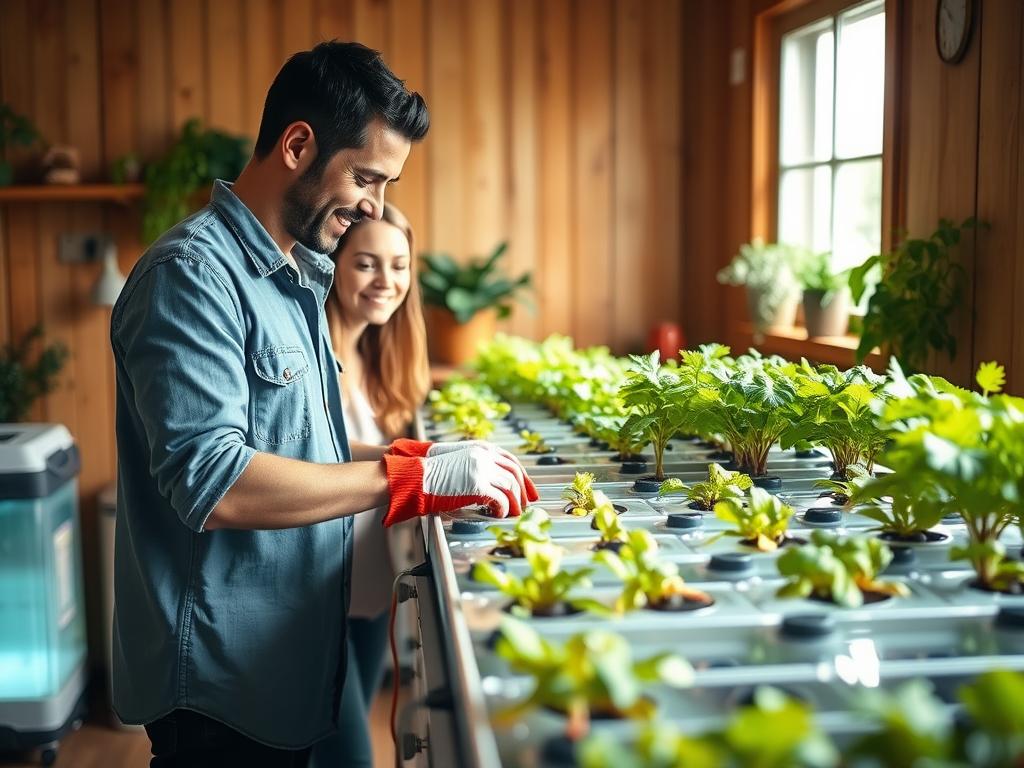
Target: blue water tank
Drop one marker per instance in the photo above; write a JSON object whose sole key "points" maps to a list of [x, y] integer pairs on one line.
{"points": [[42, 601]]}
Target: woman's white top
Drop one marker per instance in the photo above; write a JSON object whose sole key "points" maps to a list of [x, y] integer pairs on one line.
{"points": [[372, 570]]}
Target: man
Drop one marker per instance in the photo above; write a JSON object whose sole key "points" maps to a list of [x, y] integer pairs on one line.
{"points": [[236, 481]]}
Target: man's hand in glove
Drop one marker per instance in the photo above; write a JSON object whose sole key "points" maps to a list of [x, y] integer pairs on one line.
{"points": [[406, 447], [448, 480]]}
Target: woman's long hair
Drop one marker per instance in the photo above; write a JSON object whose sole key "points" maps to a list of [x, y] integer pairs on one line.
{"points": [[394, 354]]}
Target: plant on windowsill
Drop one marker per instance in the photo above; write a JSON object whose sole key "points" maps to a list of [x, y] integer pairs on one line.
{"points": [[15, 131], [196, 160], [826, 295], [463, 302], [910, 309], [23, 381], [768, 270]]}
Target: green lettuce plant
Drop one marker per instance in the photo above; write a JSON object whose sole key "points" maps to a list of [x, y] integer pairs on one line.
{"points": [[762, 522], [774, 731], [533, 525], [533, 442], [911, 512], [964, 447], [591, 674], [838, 569], [627, 442], [608, 523], [647, 580], [721, 484], [842, 490], [580, 494], [547, 587]]}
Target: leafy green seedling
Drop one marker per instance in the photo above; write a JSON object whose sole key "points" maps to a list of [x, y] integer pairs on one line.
{"points": [[608, 523], [546, 590], [775, 731], [533, 525], [647, 580], [912, 510], [591, 674], [533, 442], [762, 523], [580, 494], [837, 569], [721, 484], [843, 490], [655, 395]]}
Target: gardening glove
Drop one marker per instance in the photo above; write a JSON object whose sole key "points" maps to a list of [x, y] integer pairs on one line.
{"points": [[450, 481], [406, 447]]}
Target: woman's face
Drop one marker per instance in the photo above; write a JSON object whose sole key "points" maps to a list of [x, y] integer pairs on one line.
{"points": [[373, 273]]}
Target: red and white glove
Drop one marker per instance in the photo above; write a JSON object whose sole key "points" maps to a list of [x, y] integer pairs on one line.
{"points": [[406, 447], [452, 480]]}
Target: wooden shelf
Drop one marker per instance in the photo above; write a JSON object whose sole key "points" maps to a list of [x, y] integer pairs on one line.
{"points": [[69, 193], [793, 343]]}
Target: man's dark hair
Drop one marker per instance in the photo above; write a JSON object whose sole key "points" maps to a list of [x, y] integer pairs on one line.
{"points": [[338, 88]]}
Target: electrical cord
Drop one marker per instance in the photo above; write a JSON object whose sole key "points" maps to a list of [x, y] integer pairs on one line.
{"points": [[395, 672]]}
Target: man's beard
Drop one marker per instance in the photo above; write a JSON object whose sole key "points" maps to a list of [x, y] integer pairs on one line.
{"points": [[305, 220]]}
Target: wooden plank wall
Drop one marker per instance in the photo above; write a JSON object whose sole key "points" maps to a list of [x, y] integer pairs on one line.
{"points": [[557, 124]]}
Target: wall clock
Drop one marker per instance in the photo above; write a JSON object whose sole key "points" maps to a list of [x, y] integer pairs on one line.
{"points": [[953, 22]]}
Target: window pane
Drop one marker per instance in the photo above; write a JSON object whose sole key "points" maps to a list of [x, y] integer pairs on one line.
{"points": [[806, 95], [860, 81], [857, 228], [805, 199]]}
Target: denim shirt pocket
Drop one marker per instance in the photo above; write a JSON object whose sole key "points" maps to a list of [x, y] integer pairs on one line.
{"points": [[280, 398]]}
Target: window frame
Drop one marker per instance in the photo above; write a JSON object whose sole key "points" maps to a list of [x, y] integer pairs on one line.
{"points": [[769, 27]]}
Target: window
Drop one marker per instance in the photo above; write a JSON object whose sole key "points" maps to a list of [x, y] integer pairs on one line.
{"points": [[830, 107]]}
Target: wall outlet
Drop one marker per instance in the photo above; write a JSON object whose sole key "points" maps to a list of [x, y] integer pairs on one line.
{"points": [[82, 247]]}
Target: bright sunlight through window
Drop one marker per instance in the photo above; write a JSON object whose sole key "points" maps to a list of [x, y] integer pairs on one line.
{"points": [[830, 146]]}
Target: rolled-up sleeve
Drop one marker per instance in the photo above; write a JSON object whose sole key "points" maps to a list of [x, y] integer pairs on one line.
{"points": [[179, 341]]}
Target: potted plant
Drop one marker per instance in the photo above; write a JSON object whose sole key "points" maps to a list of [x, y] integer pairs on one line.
{"points": [[196, 160], [721, 484], [533, 525], [647, 580], [464, 302], [546, 591], [592, 674], [15, 131], [910, 309], [22, 382], [768, 272], [837, 409], [760, 523], [826, 295], [843, 571]]}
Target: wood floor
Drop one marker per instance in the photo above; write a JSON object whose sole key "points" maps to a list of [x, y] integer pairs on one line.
{"points": [[98, 746]]}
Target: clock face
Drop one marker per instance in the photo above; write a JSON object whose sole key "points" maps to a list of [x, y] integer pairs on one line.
{"points": [[951, 27]]}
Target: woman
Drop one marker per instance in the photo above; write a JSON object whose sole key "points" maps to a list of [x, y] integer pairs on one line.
{"points": [[376, 325]]}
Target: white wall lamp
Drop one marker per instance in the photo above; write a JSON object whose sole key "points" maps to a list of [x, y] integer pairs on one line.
{"points": [[75, 248], [111, 281]]}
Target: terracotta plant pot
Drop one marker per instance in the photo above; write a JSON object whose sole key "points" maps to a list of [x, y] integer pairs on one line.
{"points": [[452, 343], [830, 319]]}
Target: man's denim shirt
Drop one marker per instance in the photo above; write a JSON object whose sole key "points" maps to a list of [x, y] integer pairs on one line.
{"points": [[222, 350]]}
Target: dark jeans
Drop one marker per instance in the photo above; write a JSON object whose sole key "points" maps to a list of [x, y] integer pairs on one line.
{"points": [[186, 739], [351, 746]]}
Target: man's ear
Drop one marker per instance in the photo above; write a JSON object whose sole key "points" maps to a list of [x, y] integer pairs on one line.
{"points": [[298, 145]]}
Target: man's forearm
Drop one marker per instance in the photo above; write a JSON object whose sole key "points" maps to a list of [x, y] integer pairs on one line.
{"points": [[276, 492], [366, 451]]}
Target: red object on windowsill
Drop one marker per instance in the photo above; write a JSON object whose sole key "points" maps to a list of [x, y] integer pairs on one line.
{"points": [[667, 338]]}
